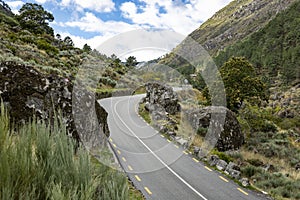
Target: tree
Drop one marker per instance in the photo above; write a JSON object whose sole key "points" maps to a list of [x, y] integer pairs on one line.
{"points": [[34, 18], [241, 83], [86, 48], [131, 61], [115, 61], [68, 42]]}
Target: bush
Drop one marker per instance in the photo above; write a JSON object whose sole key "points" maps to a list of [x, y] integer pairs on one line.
{"points": [[222, 155], [41, 163], [44, 45], [249, 170]]}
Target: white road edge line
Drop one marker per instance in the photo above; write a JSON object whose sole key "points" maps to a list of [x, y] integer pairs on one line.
{"points": [[156, 156]]}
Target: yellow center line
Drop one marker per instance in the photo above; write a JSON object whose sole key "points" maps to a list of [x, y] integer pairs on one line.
{"points": [[130, 168], [137, 177], [242, 191], [110, 140], [186, 153], [123, 159], [119, 152], [195, 160], [114, 145], [176, 146], [162, 136], [147, 190], [168, 140], [224, 179], [208, 168]]}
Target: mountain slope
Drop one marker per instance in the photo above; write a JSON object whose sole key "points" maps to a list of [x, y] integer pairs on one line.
{"points": [[273, 50], [233, 23]]}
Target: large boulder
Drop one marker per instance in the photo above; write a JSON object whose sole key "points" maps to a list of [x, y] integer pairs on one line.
{"points": [[161, 97], [26, 93], [229, 134]]}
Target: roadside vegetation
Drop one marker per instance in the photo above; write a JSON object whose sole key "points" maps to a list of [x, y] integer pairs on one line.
{"points": [[39, 162]]}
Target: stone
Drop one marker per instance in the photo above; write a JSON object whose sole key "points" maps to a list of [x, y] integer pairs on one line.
{"points": [[235, 174], [233, 170], [182, 142], [221, 165], [297, 167], [196, 150], [160, 96], [245, 182], [28, 93], [225, 129], [213, 160]]}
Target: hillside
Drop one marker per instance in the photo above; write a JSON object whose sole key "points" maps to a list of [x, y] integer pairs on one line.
{"points": [[47, 88], [233, 23], [274, 49]]}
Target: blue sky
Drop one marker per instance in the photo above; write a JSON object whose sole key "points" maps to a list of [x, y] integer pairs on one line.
{"points": [[95, 21]]}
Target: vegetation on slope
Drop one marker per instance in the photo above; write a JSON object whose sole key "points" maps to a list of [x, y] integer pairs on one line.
{"points": [[274, 49], [235, 22]]}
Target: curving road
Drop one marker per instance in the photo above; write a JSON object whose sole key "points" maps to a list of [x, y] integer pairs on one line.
{"points": [[159, 168]]}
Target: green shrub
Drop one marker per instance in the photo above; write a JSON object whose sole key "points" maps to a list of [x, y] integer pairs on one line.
{"points": [[8, 20], [40, 162], [44, 45], [249, 170], [222, 155]]}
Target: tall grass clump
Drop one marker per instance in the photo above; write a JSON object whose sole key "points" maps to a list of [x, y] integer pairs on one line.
{"points": [[39, 162]]}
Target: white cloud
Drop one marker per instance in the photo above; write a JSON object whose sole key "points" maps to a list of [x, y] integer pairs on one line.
{"points": [[90, 23], [93, 5], [180, 17], [15, 6], [41, 1]]}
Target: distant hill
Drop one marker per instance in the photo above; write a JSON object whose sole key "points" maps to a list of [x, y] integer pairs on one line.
{"points": [[235, 22]]}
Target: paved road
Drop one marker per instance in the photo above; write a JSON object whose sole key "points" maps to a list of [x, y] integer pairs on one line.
{"points": [[159, 168]]}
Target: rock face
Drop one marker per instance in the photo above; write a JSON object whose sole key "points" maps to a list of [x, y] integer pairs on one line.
{"points": [[161, 98], [27, 92], [231, 136]]}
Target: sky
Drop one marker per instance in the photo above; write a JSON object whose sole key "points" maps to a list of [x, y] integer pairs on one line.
{"points": [[93, 22]]}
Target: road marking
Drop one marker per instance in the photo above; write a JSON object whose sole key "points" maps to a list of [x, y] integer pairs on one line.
{"points": [[123, 159], [156, 156], [147, 190], [110, 140], [162, 136], [186, 153], [208, 168], [114, 145], [176, 146], [130, 168], [242, 191], [119, 152], [168, 140], [137, 178], [224, 179], [195, 160]]}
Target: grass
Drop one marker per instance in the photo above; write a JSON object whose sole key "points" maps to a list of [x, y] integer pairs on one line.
{"points": [[144, 113], [39, 162]]}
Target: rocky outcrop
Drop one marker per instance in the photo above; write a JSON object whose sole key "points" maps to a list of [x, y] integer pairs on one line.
{"points": [[161, 98], [27, 92], [231, 136], [286, 102]]}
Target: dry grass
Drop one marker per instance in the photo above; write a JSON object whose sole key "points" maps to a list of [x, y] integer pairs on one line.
{"points": [[282, 165]]}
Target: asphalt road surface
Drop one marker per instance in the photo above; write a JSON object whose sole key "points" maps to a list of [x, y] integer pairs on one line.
{"points": [[159, 168]]}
